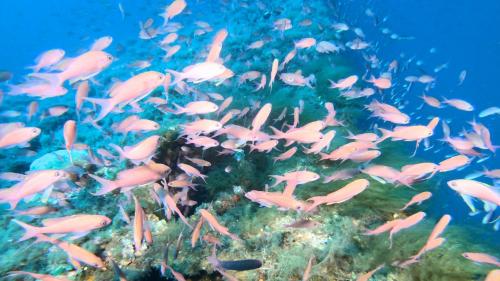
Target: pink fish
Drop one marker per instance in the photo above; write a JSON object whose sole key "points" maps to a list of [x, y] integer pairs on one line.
{"points": [[345, 83], [197, 107], [261, 117], [201, 126], [130, 178], [191, 171], [274, 71], [48, 58], [83, 67], [130, 91], [417, 199], [369, 274], [138, 229], [201, 141], [297, 79], [19, 137], [475, 189], [141, 152], [80, 223], [265, 146], [288, 58], [383, 228], [459, 104], [75, 253], [453, 163], [277, 199], [33, 183], [431, 101], [305, 43], [215, 225], [286, 155], [405, 223], [482, 258], [343, 194], [172, 10], [81, 93], [101, 43], [69, 136]]}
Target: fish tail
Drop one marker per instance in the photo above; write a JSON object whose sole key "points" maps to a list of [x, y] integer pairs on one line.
{"points": [[31, 231], [107, 105], [277, 133], [177, 76], [54, 79], [106, 185], [385, 135], [279, 179]]}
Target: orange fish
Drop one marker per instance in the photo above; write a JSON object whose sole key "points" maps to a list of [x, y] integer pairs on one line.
{"points": [[215, 225]]}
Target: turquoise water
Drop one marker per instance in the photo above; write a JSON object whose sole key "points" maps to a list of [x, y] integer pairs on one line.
{"points": [[454, 46]]}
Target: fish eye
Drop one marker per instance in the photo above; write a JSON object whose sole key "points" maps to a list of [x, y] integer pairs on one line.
{"points": [[110, 57], [57, 174]]}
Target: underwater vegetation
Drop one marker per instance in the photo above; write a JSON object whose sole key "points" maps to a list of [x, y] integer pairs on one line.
{"points": [[270, 142]]}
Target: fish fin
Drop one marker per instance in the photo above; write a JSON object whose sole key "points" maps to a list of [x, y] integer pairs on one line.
{"points": [[107, 105], [54, 79], [31, 231], [277, 133], [177, 76], [107, 185], [385, 135]]}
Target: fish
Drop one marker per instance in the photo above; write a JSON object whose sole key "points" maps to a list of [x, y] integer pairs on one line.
{"points": [[83, 67], [69, 136], [494, 110], [277, 199], [345, 83], [482, 258], [343, 194], [75, 253], [38, 276], [475, 189], [141, 152], [459, 104], [307, 271], [197, 107], [172, 10], [80, 223], [101, 43], [405, 223], [48, 59], [274, 71], [285, 155], [201, 72], [215, 225], [417, 199], [369, 274], [33, 183], [130, 91], [138, 224], [19, 137], [130, 178]]}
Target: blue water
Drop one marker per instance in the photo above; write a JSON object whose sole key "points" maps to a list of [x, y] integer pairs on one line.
{"points": [[451, 35]]}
